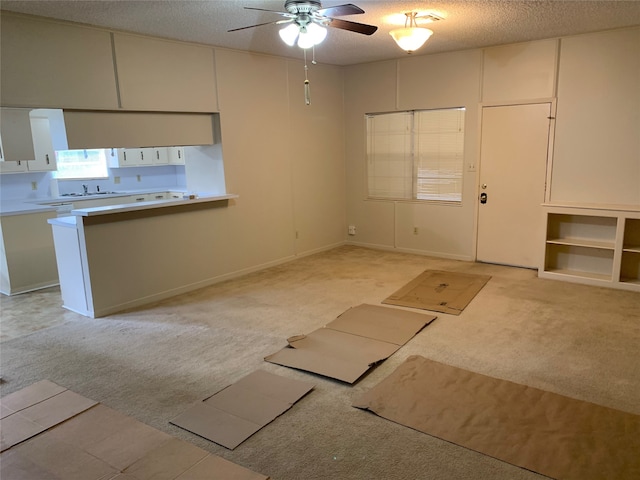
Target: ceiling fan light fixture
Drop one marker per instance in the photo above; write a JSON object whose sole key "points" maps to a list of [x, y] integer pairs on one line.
{"points": [[411, 37], [317, 32], [289, 34]]}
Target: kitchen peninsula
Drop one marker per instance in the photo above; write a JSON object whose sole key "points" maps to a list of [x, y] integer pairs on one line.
{"points": [[117, 257]]}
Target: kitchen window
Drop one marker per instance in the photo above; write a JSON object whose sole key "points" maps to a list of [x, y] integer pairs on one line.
{"points": [[416, 155], [81, 164]]}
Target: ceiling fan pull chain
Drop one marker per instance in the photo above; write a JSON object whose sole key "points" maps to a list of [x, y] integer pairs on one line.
{"points": [[307, 89]]}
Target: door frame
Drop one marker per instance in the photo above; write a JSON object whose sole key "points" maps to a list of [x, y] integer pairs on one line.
{"points": [[549, 167]]}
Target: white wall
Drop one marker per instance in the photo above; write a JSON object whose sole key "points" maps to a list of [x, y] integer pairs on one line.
{"points": [[421, 82], [597, 135], [283, 158], [597, 147]]}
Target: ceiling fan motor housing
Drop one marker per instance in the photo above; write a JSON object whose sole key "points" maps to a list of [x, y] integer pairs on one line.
{"points": [[302, 6]]}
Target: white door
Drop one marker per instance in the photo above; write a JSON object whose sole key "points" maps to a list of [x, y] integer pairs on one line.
{"points": [[513, 166]]}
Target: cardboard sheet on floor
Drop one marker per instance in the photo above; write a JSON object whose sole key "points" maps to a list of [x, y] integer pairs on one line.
{"points": [[36, 408], [439, 291], [551, 434], [358, 339], [103, 444], [238, 411]]}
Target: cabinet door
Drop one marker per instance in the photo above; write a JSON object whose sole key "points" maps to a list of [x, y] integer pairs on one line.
{"points": [[17, 139], [162, 75], [145, 156], [124, 158], [156, 196], [160, 156], [45, 156], [176, 155], [49, 64], [13, 167]]}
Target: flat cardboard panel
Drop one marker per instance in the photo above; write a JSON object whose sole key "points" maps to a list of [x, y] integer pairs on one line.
{"points": [[275, 386], [92, 427], [217, 468], [389, 325], [334, 354], [547, 433], [63, 460], [17, 466], [57, 409], [102, 444], [358, 339], [39, 407], [5, 411], [31, 395], [236, 412], [166, 462], [16, 429], [439, 291], [216, 425], [128, 445], [247, 404]]}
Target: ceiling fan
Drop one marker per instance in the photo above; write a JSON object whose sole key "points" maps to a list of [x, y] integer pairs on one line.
{"points": [[307, 21], [307, 17]]}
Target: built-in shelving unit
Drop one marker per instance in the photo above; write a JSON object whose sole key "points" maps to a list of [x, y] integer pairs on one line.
{"points": [[595, 246], [630, 266]]}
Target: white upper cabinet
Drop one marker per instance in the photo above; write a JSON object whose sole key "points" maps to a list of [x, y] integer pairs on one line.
{"points": [[160, 156], [17, 140], [175, 155], [162, 75], [27, 142], [49, 64], [44, 154]]}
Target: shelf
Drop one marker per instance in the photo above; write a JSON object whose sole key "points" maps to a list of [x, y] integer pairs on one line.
{"points": [[580, 260], [579, 274], [593, 246], [582, 242]]}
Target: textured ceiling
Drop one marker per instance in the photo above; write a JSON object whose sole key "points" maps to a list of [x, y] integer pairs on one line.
{"points": [[467, 23]]}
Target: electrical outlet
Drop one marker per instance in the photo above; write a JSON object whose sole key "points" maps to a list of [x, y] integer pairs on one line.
{"points": [[415, 230], [34, 185], [471, 167], [352, 229], [116, 180], [139, 178]]}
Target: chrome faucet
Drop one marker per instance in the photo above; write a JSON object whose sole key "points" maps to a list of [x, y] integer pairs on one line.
{"points": [[86, 189]]}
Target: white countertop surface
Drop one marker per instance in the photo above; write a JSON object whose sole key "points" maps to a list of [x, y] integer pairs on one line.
{"points": [[137, 206], [48, 204]]}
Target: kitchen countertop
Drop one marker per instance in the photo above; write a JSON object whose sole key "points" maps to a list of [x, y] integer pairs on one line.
{"points": [[137, 206], [48, 204]]}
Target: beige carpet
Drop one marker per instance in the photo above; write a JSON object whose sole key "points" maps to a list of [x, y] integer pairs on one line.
{"points": [[155, 362]]}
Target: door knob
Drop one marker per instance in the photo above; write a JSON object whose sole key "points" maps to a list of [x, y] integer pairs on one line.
{"points": [[483, 198], [484, 186]]}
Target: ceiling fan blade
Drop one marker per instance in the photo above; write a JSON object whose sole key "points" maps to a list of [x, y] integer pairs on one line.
{"points": [[352, 26], [340, 10], [286, 14], [257, 25]]}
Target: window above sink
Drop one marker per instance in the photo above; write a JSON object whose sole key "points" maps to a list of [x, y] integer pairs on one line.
{"points": [[81, 164]]}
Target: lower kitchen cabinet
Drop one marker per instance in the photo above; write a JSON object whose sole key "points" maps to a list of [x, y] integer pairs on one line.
{"points": [[28, 259]]}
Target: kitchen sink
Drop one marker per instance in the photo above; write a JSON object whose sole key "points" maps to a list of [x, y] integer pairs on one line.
{"points": [[88, 194]]}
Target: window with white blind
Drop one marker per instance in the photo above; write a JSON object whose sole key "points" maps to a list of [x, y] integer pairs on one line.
{"points": [[416, 155]]}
